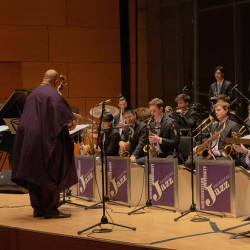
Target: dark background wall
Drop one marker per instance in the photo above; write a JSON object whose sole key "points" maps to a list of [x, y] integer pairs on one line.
{"points": [[223, 39]]}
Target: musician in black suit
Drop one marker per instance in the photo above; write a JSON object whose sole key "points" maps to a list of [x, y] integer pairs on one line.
{"points": [[122, 103], [110, 136], [185, 116], [136, 134], [216, 147], [165, 130], [221, 86]]}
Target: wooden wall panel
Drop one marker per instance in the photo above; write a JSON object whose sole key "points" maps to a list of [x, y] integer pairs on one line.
{"points": [[33, 12], [95, 80], [80, 104], [93, 13], [23, 43], [84, 45], [10, 78], [33, 73]]}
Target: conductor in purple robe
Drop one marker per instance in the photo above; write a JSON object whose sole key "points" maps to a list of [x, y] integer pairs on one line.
{"points": [[43, 150]]}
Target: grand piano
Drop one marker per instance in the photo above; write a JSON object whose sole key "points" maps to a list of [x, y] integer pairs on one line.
{"points": [[11, 111]]}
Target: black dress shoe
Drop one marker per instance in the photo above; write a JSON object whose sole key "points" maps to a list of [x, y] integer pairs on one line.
{"points": [[38, 214], [58, 215]]}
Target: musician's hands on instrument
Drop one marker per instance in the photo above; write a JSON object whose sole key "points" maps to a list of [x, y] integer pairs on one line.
{"points": [[122, 124], [154, 138], [215, 152], [195, 148], [132, 158], [122, 145], [240, 149]]}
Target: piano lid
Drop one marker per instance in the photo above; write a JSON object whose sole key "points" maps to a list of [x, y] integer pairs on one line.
{"points": [[13, 108]]}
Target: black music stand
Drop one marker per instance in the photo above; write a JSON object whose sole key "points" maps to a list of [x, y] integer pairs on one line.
{"points": [[149, 201], [193, 205], [104, 219]]}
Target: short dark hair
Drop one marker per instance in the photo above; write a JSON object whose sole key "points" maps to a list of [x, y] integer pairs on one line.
{"points": [[107, 117], [223, 97], [221, 69], [129, 110], [121, 98], [184, 97], [156, 102]]}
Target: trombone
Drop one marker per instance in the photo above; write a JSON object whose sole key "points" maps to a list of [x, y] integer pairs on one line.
{"points": [[211, 120]]}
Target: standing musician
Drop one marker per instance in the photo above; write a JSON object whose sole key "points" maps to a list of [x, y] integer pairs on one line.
{"points": [[118, 119], [188, 116], [43, 151], [110, 136], [216, 147], [221, 86], [244, 159], [135, 136], [165, 130]]}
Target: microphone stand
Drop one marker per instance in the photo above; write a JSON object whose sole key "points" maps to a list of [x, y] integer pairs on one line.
{"points": [[149, 201], [104, 219], [193, 205]]}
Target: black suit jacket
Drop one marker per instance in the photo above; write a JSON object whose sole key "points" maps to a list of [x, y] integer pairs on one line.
{"points": [[188, 120], [225, 89], [231, 126], [170, 134], [111, 143], [139, 139]]}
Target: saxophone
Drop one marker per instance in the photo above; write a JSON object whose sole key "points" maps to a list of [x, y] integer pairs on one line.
{"points": [[150, 149], [228, 149], [90, 149], [125, 152], [203, 148]]}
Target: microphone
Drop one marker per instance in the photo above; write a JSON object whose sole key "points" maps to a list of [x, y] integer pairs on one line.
{"points": [[235, 86], [104, 102]]}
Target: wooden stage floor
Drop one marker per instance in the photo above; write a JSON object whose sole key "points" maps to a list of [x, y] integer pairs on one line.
{"points": [[152, 226]]}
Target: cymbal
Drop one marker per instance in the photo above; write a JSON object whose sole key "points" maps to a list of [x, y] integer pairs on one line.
{"points": [[97, 111], [143, 111], [78, 116]]}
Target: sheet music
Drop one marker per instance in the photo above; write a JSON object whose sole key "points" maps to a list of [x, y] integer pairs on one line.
{"points": [[4, 128], [78, 128]]}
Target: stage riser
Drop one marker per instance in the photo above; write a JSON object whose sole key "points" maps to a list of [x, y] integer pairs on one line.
{"points": [[15, 239]]}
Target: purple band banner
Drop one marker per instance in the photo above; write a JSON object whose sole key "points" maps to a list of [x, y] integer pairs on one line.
{"points": [[118, 179], [161, 183], [85, 173], [214, 187]]}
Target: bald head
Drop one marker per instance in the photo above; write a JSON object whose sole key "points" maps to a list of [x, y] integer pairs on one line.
{"points": [[50, 76]]}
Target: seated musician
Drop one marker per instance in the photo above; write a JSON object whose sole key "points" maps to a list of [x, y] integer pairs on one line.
{"points": [[135, 135], [110, 136], [244, 159], [187, 117], [166, 135], [216, 147]]}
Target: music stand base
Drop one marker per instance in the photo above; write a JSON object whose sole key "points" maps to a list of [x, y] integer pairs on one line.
{"points": [[150, 204], [193, 209], [246, 219], [64, 201], [104, 221], [94, 206]]}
